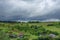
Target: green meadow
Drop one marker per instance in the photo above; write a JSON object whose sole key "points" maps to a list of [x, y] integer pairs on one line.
{"points": [[29, 30]]}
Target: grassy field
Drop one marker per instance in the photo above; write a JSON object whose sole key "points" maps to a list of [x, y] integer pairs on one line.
{"points": [[30, 31]]}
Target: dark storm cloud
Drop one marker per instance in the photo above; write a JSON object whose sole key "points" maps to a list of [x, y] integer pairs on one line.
{"points": [[17, 9]]}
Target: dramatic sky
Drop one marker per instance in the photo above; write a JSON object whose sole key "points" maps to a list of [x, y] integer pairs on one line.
{"points": [[30, 10]]}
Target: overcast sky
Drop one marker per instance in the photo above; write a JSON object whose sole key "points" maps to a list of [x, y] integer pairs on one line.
{"points": [[22, 9]]}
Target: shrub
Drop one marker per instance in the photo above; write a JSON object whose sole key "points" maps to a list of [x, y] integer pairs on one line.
{"points": [[43, 38], [3, 36]]}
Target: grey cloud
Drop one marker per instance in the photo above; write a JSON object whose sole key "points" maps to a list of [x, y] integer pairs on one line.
{"points": [[52, 15], [23, 9]]}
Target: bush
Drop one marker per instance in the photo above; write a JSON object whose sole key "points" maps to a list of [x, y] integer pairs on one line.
{"points": [[43, 38], [3, 36]]}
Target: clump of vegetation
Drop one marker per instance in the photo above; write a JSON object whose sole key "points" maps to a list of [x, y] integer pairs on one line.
{"points": [[4, 36], [30, 30]]}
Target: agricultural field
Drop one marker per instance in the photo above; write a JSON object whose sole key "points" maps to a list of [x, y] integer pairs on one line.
{"points": [[30, 31]]}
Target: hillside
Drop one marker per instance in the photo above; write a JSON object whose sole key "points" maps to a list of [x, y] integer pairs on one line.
{"points": [[29, 31]]}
